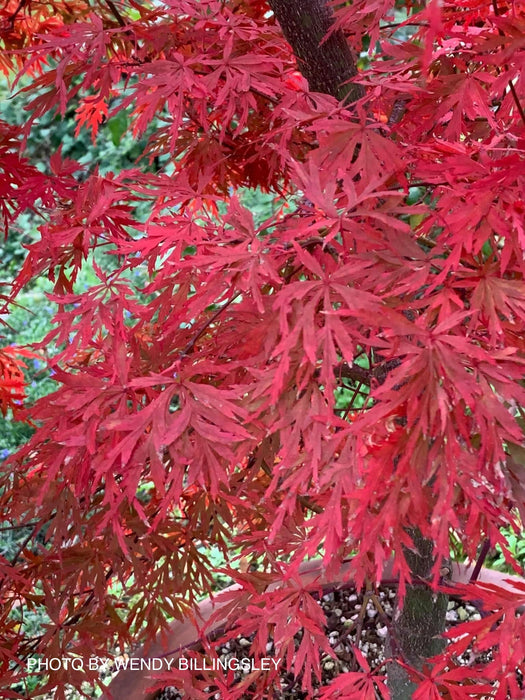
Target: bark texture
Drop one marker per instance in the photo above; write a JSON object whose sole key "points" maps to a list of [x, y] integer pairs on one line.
{"points": [[327, 65], [419, 623]]}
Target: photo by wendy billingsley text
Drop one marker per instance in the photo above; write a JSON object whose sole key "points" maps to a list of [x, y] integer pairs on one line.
{"points": [[98, 663]]}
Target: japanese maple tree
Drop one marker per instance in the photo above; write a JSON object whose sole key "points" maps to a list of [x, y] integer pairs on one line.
{"points": [[342, 379]]}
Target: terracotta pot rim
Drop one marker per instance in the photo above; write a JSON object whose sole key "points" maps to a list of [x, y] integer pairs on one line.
{"points": [[132, 685]]}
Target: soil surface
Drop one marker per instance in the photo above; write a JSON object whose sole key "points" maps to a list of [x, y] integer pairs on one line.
{"points": [[351, 618]]}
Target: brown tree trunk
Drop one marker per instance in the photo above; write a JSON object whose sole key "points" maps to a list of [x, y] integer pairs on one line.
{"points": [[420, 620], [326, 66], [418, 623]]}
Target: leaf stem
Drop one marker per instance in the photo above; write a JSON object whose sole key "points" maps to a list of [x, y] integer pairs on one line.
{"points": [[115, 12], [485, 548]]}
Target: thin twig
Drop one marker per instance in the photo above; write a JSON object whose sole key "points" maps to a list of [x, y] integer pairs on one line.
{"points": [[357, 392], [11, 19], [485, 549], [5, 528], [115, 12]]}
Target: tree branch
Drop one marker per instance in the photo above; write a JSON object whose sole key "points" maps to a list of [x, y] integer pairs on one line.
{"points": [[365, 376], [325, 60]]}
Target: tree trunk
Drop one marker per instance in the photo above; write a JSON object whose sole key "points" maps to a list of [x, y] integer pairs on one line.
{"points": [[417, 624], [328, 65]]}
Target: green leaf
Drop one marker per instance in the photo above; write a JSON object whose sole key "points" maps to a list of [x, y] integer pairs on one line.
{"points": [[117, 126]]}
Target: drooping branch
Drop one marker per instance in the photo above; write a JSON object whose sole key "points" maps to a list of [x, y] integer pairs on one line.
{"points": [[327, 65]]}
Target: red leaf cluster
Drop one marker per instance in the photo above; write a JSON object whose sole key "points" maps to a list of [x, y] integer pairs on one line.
{"points": [[315, 381]]}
